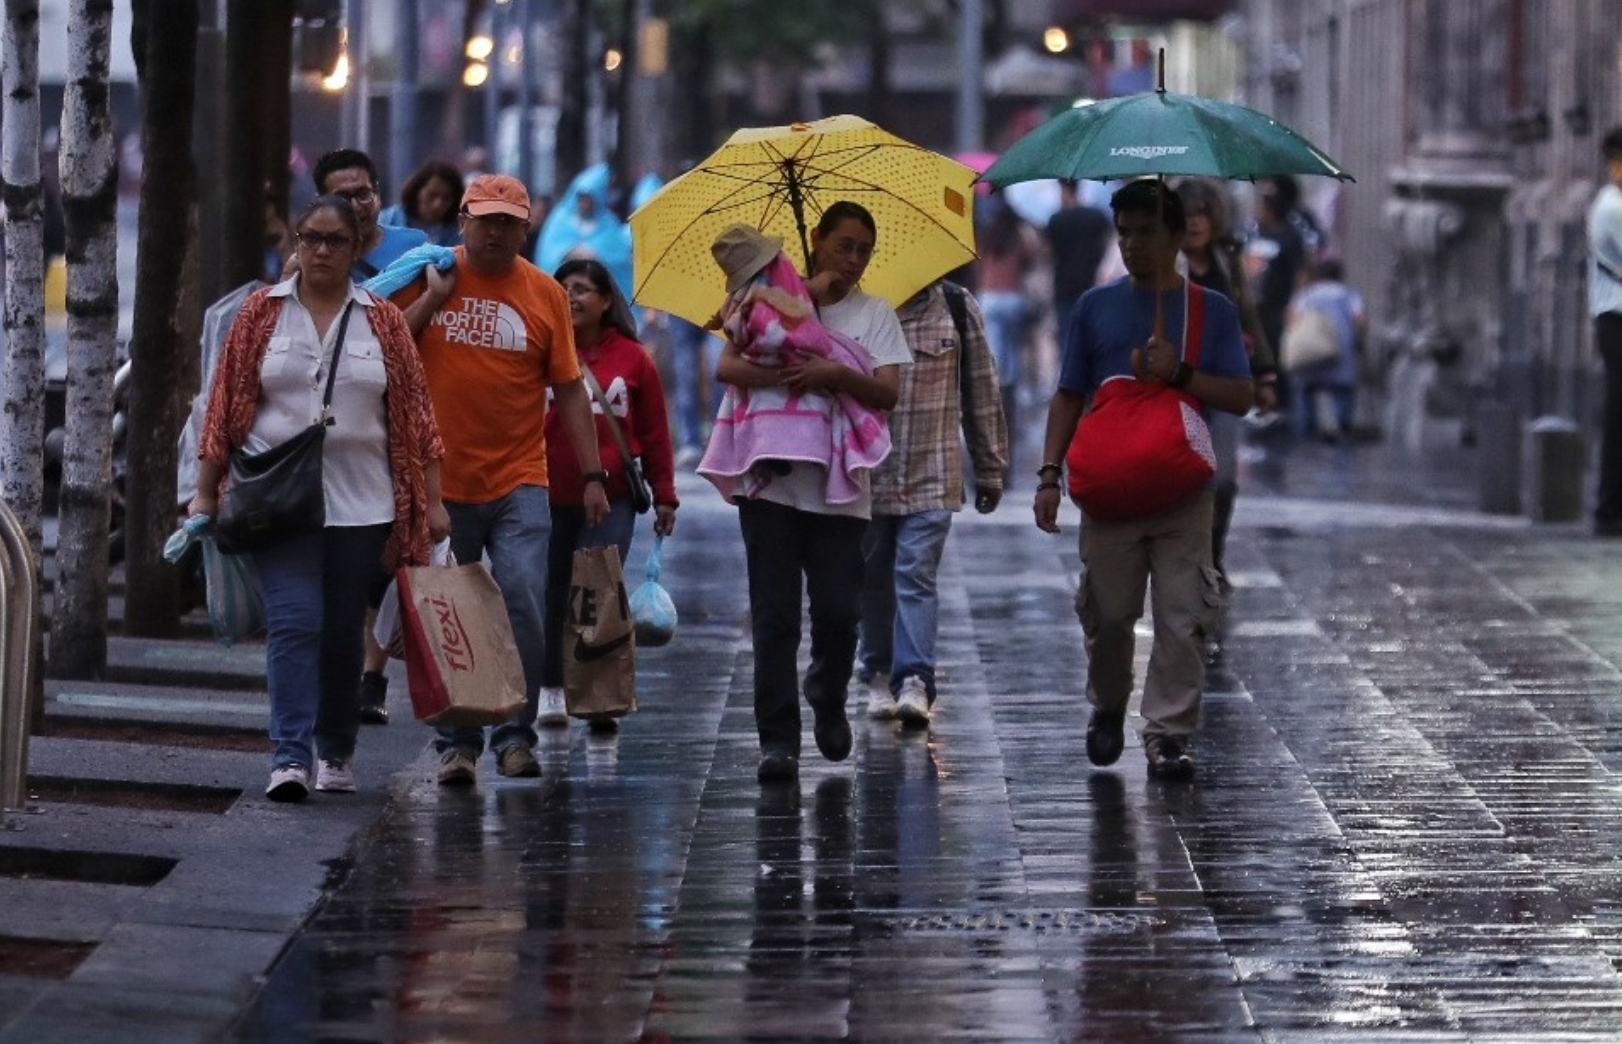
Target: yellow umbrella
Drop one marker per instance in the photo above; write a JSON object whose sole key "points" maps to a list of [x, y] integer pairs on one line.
{"points": [[780, 180]]}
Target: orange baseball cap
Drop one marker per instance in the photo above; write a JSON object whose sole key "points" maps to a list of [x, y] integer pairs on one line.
{"points": [[496, 194]]}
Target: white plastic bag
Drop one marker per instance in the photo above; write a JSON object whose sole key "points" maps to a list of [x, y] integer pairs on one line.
{"points": [[386, 629], [236, 607], [652, 610]]}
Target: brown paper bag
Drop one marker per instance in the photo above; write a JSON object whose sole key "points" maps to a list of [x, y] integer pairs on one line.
{"points": [[461, 662], [599, 654]]}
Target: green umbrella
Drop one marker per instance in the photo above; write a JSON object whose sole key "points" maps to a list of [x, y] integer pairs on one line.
{"points": [[1160, 133]]}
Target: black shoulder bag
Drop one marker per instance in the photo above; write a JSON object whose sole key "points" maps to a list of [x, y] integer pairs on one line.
{"points": [[276, 495]]}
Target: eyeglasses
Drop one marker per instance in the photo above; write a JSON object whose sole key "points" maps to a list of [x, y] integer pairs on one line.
{"points": [[362, 196], [580, 289], [335, 241], [858, 249]]}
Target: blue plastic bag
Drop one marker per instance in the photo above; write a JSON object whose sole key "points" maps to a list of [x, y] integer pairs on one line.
{"points": [[652, 611], [236, 607]]}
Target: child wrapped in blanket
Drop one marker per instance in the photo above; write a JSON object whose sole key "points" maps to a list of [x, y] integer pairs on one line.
{"points": [[759, 433]]}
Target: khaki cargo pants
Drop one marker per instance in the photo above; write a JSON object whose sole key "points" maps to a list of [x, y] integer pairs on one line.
{"points": [[1167, 556]]}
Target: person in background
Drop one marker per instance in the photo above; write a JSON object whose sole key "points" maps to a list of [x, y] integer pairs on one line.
{"points": [[429, 202], [495, 336], [1213, 258], [606, 344], [1167, 553], [1008, 248], [1077, 236], [950, 387], [1323, 398], [351, 174], [381, 476], [1605, 307], [795, 541]]}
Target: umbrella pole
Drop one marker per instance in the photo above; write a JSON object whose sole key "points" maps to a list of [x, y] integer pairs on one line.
{"points": [[1160, 217], [796, 202]]}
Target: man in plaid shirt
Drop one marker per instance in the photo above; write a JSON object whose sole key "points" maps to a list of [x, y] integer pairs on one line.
{"points": [[951, 386]]}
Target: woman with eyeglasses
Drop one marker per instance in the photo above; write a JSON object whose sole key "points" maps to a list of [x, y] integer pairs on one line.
{"points": [[380, 478], [605, 339]]}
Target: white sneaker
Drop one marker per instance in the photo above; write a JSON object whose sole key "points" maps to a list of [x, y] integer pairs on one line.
{"points": [[288, 783], [912, 705], [335, 776], [881, 704], [554, 711]]}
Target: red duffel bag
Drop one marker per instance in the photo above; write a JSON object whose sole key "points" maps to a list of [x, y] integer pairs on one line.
{"points": [[1143, 446]]}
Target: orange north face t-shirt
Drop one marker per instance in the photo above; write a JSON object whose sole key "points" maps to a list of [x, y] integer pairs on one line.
{"points": [[490, 352]]}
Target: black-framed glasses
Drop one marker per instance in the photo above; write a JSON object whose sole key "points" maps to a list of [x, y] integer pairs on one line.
{"points": [[360, 195], [580, 289], [333, 241]]}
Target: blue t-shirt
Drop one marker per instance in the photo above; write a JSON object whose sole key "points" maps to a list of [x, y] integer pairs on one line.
{"points": [[1113, 320], [396, 241]]}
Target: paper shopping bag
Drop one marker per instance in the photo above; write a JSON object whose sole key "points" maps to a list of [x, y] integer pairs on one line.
{"points": [[599, 655], [461, 662]]}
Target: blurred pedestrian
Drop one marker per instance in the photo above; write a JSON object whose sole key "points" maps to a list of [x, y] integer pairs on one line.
{"points": [[1008, 249], [495, 337], [429, 202], [584, 224], [350, 173], [606, 343], [795, 541], [1078, 236], [950, 388], [1323, 397], [1114, 336], [1605, 306], [1213, 257], [381, 477]]}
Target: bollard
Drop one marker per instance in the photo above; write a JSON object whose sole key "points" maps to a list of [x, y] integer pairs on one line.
{"points": [[19, 623], [1498, 438], [1554, 470]]}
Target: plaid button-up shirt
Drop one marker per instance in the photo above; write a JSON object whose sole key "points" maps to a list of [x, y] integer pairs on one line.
{"points": [[950, 386]]}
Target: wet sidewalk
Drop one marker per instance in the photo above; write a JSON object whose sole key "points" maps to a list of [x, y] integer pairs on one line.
{"points": [[1404, 825]]}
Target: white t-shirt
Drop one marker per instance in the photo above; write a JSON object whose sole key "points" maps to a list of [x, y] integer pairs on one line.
{"points": [[872, 323], [1605, 244]]}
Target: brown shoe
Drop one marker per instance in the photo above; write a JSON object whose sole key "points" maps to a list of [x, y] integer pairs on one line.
{"points": [[1168, 759], [518, 762]]}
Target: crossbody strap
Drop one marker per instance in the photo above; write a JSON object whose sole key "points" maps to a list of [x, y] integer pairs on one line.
{"points": [[332, 371], [608, 412], [1193, 322]]}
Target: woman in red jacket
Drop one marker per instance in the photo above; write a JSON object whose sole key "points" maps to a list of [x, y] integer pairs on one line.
{"points": [[605, 339]]}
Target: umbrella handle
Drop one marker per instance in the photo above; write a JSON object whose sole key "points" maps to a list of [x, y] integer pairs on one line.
{"points": [[796, 202]]}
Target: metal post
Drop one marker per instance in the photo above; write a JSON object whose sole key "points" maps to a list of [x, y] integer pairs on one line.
{"points": [[19, 631], [529, 71], [971, 115]]}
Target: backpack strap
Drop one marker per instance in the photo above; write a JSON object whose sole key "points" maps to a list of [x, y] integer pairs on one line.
{"points": [[955, 303], [1193, 323]]}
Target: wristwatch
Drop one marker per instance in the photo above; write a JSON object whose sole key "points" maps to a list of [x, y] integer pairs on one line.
{"points": [[599, 476]]}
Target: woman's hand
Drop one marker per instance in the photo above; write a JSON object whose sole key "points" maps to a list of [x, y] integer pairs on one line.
{"points": [[204, 504], [664, 519], [813, 374], [439, 521]]}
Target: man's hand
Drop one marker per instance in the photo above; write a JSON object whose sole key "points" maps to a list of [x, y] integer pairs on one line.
{"points": [[596, 504], [1047, 510], [440, 284], [986, 499], [1155, 361]]}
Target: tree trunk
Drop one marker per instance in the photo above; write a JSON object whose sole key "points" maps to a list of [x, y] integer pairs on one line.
{"points": [[574, 29], [163, 345], [258, 127], [22, 428], [78, 647]]}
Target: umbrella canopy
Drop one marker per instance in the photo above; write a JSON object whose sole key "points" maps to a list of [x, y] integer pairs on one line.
{"points": [[780, 180], [1159, 132]]}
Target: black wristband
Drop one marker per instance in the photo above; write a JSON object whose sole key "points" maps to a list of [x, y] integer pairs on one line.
{"points": [[1040, 486], [598, 476], [1045, 468], [1181, 376]]}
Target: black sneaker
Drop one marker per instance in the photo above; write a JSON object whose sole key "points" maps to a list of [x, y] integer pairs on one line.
{"points": [[778, 768], [374, 690], [1168, 759], [832, 732], [1106, 736]]}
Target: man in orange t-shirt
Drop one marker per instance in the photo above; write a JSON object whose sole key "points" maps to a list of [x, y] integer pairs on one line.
{"points": [[494, 333]]}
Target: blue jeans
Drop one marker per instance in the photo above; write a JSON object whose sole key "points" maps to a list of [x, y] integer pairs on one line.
{"points": [[515, 531], [570, 531], [315, 606], [900, 601], [691, 359], [1004, 312], [789, 551]]}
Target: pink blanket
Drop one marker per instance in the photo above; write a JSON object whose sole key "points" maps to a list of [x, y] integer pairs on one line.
{"points": [[773, 322]]}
